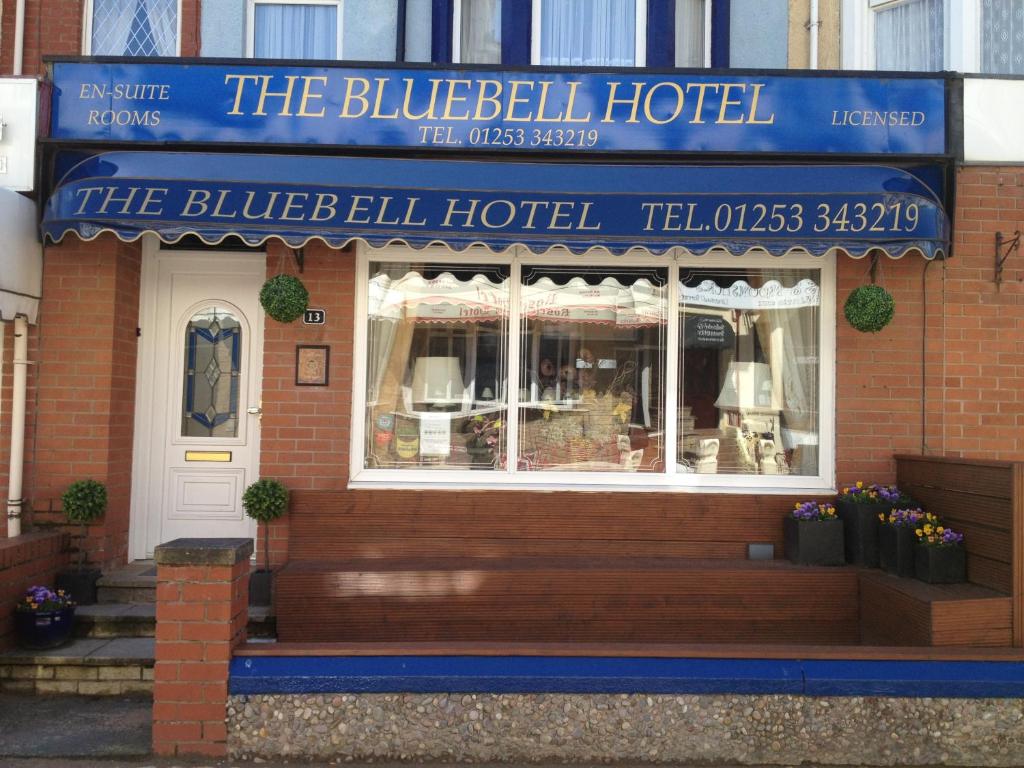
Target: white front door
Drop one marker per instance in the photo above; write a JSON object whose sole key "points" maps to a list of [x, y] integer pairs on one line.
{"points": [[197, 396]]}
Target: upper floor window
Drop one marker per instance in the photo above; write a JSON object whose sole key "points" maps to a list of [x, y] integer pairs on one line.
{"points": [[693, 33], [131, 28], [932, 35], [478, 23], [590, 33], [357, 30]]}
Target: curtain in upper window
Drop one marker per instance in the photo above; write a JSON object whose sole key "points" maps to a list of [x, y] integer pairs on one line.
{"points": [[480, 35], [690, 33], [588, 32], [1002, 37], [295, 31], [910, 36], [134, 28]]}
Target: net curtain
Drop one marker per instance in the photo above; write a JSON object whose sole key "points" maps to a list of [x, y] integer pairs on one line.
{"points": [[134, 27], [588, 33]]}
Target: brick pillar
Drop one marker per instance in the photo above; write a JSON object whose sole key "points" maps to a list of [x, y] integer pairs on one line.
{"points": [[202, 596]]}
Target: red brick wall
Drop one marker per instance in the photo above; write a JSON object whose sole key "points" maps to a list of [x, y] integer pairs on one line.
{"points": [[54, 27], [86, 393], [25, 561]]}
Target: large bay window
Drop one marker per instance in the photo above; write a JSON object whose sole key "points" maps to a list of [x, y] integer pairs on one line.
{"points": [[690, 371]]}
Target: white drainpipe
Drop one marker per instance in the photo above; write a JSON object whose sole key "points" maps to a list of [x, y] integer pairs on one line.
{"points": [[813, 25], [19, 37], [19, 387]]}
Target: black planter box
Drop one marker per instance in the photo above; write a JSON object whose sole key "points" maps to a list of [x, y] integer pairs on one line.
{"points": [[814, 542], [860, 530], [940, 565], [896, 544], [79, 584], [261, 585]]}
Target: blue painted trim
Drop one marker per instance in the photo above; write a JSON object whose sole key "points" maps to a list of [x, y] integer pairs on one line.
{"points": [[441, 31], [546, 674], [661, 33], [516, 21], [720, 10]]}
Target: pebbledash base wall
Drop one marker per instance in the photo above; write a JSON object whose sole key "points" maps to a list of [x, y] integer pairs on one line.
{"points": [[741, 729]]}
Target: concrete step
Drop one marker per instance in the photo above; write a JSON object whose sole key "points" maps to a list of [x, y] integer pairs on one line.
{"points": [[135, 583], [139, 620], [87, 666]]}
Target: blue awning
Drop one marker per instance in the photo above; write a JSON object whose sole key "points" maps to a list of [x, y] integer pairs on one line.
{"points": [[457, 203]]}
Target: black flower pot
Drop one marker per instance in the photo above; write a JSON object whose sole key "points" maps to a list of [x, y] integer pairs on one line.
{"points": [[39, 630], [79, 585], [860, 530], [896, 545], [940, 565], [814, 542], [261, 587]]}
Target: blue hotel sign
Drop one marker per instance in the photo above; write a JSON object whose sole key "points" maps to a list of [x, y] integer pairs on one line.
{"points": [[466, 111]]}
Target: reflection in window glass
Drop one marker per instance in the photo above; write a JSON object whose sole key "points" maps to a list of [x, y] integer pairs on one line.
{"points": [[213, 348], [591, 377], [749, 371], [134, 28], [690, 33], [588, 32], [910, 36], [480, 35], [369, 30], [436, 366]]}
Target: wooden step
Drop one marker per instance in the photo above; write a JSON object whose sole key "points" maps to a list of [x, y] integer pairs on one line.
{"points": [[565, 599], [896, 611]]}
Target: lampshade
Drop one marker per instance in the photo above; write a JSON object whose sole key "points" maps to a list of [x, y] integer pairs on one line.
{"points": [[437, 380], [748, 386]]}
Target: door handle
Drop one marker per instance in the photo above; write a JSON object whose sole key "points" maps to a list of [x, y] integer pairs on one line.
{"points": [[255, 410]]}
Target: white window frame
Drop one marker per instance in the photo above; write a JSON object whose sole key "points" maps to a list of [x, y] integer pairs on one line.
{"points": [[87, 30], [640, 45], [962, 33], [250, 21], [669, 480], [457, 33]]}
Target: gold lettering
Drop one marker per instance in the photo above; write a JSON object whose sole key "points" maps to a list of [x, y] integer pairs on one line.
{"points": [[406, 108], [702, 88], [151, 198], [289, 204], [451, 98], [238, 90], [351, 95], [727, 102], [217, 212], [633, 102], [510, 214], [250, 196], [125, 201], [382, 212], [752, 120], [452, 210], [308, 95], [558, 213], [571, 102], [286, 95], [322, 205], [360, 204], [513, 99], [544, 87], [583, 219], [650, 208], [672, 221], [533, 205], [410, 207], [482, 98], [381, 82], [85, 199], [198, 197], [675, 113]]}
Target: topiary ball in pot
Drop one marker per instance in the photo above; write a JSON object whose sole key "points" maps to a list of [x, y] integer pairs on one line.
{"points": [[83, 502], [869, 308], [264, 501], [284, 298]]}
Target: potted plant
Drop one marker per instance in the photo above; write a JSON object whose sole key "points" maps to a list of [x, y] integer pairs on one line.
{"points": [[264, 501], [896, 539], [859, 506], [814, 535], [939, 557], [43, 618], [84, 501]]}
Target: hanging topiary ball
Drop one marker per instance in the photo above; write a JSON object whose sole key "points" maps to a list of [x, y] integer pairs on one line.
{"points": [[870, 308], [284, 298]]}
